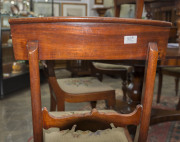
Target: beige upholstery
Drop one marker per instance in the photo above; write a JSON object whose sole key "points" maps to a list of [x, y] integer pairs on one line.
{"points": [[108, 135], [172, 69], [82, 85], [112, 66]]}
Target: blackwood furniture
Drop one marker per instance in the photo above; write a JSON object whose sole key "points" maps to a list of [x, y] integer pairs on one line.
{"points": [[37, 39]]}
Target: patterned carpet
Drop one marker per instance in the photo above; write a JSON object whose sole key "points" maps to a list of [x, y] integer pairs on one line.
{"points": [[169, 131]]}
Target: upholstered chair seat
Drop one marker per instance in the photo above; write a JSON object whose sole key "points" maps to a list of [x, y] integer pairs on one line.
{"points": [[107, 66], [112, 134], [82, 85]]}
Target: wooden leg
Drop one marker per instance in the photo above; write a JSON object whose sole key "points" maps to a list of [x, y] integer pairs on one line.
{"points": [[93, 104], [52, 104], [159, 86], [124, 89], [178, 105], [176, 85], [52, 100]]}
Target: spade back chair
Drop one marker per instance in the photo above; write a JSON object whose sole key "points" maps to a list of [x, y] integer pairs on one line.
{"points": [[90, 38]]}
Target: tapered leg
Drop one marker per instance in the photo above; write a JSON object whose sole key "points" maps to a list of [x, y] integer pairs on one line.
{"points": [[124, 89], [176, 85]]}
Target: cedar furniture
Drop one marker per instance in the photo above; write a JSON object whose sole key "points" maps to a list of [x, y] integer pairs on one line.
{"points": [[93, 38]]}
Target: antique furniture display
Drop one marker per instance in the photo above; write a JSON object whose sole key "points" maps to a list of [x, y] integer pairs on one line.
{"points": [[89, 39]]}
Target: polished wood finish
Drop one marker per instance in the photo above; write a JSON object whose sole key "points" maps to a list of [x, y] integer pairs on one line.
{"points": [[148, 87], [32, 48], [106, 118], [75, 45], [97, 38]]}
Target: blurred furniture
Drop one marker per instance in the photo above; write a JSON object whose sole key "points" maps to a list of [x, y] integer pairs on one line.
{"points": [[172, 71], [79, 67], [13, 75], [75, 90], [70, 47], [165, 10], [124, 71], [101, 10]]}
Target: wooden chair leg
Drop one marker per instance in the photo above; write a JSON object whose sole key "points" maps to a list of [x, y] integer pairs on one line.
{"points": [[100, 77], [178, 105], [52, 104], [52, 100], [124, 89], [93, 104], [176, 85], [159, 86], [124, 77]]}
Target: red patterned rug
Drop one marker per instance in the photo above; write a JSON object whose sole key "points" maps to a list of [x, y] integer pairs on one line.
{"points": [[169, 131]]}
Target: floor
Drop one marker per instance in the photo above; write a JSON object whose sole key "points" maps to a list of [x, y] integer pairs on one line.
{"points": [[15, 110]]}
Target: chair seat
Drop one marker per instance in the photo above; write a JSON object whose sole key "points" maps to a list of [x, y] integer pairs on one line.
{"points": [[112, 66], [173, 69], [109, 135], [82, 85]]}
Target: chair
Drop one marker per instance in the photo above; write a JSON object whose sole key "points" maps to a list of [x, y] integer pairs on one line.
{"points": [[93, 38], [170, 71], [74, 90]]}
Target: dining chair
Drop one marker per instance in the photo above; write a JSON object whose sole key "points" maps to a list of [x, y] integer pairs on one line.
{"points": [[89, 38], [76, 90]]}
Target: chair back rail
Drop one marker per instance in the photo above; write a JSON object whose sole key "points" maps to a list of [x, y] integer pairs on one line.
{"points": [[37, 39], [106, 118]]}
